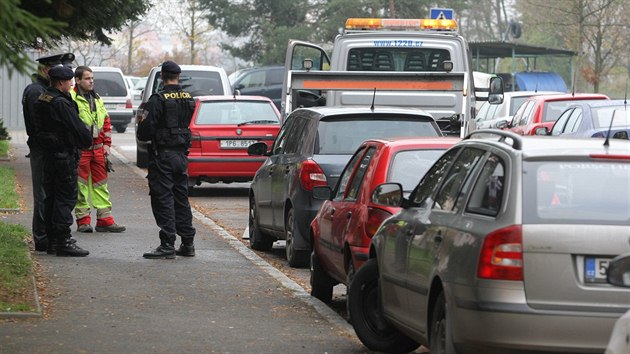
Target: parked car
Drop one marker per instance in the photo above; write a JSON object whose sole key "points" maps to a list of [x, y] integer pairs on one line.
{"points": [[618, 274], [136, 93], [109, 83], [501, 248], [312, 148], [348, 218], [490, 114], [222, 129], [199, 80], [543, 111], [264, 81], [591, 119]]}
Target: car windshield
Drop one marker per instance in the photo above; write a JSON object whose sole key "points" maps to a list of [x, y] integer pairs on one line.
{"points": [[197, 82], [602, 116], [109, 84], [564, 192], [342, 136], [516, 103], [387, 56], [407, 167], [553, 110], [236, 112], [140, 84]]}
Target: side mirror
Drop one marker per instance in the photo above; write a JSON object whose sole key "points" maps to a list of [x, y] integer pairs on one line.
{"points": [[236, 92], [322, 192], [257, 149], [388, 194], [239, 87], [502, 124], [541, 131], [618, 272], [495, 94]]}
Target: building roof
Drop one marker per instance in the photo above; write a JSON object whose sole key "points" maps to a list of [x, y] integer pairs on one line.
{"points": [[502, 49]]}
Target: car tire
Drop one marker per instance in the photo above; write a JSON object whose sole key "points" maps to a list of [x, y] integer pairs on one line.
{"points": [[257, 239], [142, 159], [367, 318], [296, 258], [120, 128], [349, 277], [321, 283], [441, 340]]}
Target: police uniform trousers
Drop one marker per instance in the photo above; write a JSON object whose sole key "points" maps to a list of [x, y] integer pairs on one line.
{"points": [[37, 158], [168, 187], [60, 176]]}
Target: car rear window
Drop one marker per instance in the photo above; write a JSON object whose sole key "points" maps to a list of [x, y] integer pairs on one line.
{"points": [[236, 112], [603, 115], [408, 167], [576, 192], [198, 83], [388, 56], [110, 84], [342, 136]]}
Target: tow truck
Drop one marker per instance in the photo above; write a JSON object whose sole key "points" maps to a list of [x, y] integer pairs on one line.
{"points": [[422, 63]]}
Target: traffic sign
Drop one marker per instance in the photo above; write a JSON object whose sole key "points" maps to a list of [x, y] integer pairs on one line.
{"points": [[441, 14]]}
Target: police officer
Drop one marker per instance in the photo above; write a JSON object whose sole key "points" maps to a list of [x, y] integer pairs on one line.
{"points": [[165, 122], [29, 97], [60, 133]]}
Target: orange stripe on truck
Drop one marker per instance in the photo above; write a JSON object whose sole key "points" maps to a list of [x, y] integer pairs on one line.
{"points": [[383, 85]]}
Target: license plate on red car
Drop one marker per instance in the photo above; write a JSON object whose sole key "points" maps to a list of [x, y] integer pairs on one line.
{"points": [[595, 269], [236, 144]]}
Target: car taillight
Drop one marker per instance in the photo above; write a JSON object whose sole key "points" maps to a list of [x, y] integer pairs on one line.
{"points": [[502, 254], [128, 104], [610, 156], [374, 220], [195, 140], [311, 175]]}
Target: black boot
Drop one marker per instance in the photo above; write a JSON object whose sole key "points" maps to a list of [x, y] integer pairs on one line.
{"points": [[163, 251], [186, 249], [69, 248]]}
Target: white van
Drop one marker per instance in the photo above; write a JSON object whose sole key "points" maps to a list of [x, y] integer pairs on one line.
{"points": [[110, 84]]}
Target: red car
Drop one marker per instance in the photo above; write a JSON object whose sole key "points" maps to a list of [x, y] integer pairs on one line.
{"points": [[347, 219], [543, 111], [222, 128]]}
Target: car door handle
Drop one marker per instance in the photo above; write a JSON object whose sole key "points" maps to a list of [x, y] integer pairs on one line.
{"points": [[348, 215]]}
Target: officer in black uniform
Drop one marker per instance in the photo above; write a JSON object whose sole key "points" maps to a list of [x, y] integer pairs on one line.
{"points": [[29, 97], [60, 133], [165, 122]]}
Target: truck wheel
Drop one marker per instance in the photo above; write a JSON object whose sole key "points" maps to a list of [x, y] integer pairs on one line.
{"points": [[257, 240], [296, 258], [321, 283], [367, 318], [142, 159]]}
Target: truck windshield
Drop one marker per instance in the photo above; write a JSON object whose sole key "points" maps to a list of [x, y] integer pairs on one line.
{"points": [[390, 57]]}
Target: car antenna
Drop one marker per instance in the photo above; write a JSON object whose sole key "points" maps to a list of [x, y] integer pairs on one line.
{"points": [[373, 99], [625, 106]]}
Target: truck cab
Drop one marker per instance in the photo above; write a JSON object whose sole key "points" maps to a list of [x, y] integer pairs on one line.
{"points": [[419, 63]]}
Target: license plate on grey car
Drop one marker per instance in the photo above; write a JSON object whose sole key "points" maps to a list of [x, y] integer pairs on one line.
{"points": [[595, 269]]}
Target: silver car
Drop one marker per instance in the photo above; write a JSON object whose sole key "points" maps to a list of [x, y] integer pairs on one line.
{"points": [[501, 248]]}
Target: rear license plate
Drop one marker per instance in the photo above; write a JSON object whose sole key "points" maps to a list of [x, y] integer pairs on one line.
{"points": [[595, 269], [111, 106], [236, 144]]}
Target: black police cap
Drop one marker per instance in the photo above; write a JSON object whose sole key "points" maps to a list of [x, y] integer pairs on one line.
{"points": [[61, 72], [58, 59], [171, 67]]}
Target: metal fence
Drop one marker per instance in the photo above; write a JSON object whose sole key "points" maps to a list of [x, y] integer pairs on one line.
{"points": [[11, 88]]}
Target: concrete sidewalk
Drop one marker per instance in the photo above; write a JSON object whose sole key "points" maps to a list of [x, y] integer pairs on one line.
{"points": [[224, 300]]}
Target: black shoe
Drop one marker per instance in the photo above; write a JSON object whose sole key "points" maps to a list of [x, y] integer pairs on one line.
{"points": [[186, 250], [41, 246], [165, 251], [52, 248], [69, 248]]}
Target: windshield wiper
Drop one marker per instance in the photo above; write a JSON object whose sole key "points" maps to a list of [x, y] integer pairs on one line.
{"points": [[258, 122]]}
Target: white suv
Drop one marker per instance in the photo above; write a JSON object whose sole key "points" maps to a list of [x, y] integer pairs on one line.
{"points": [[110, 84], [199, 80]]}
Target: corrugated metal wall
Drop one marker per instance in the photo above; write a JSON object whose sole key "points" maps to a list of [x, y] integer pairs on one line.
{"points": [[11, 88]]}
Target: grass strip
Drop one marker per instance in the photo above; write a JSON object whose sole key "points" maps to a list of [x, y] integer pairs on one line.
{"points": [[9, 198], [4, 148], [16, 269]]}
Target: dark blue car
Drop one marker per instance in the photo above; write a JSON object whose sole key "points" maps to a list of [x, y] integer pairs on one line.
{"points": [[591, 119]]}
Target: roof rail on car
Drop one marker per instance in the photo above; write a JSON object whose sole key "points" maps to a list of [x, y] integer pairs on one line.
{"points": [[517, 140]]}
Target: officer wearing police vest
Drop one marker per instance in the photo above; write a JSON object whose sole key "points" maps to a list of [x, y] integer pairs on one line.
{"points": [[29, 98], [61, 134], [165, 122]]}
